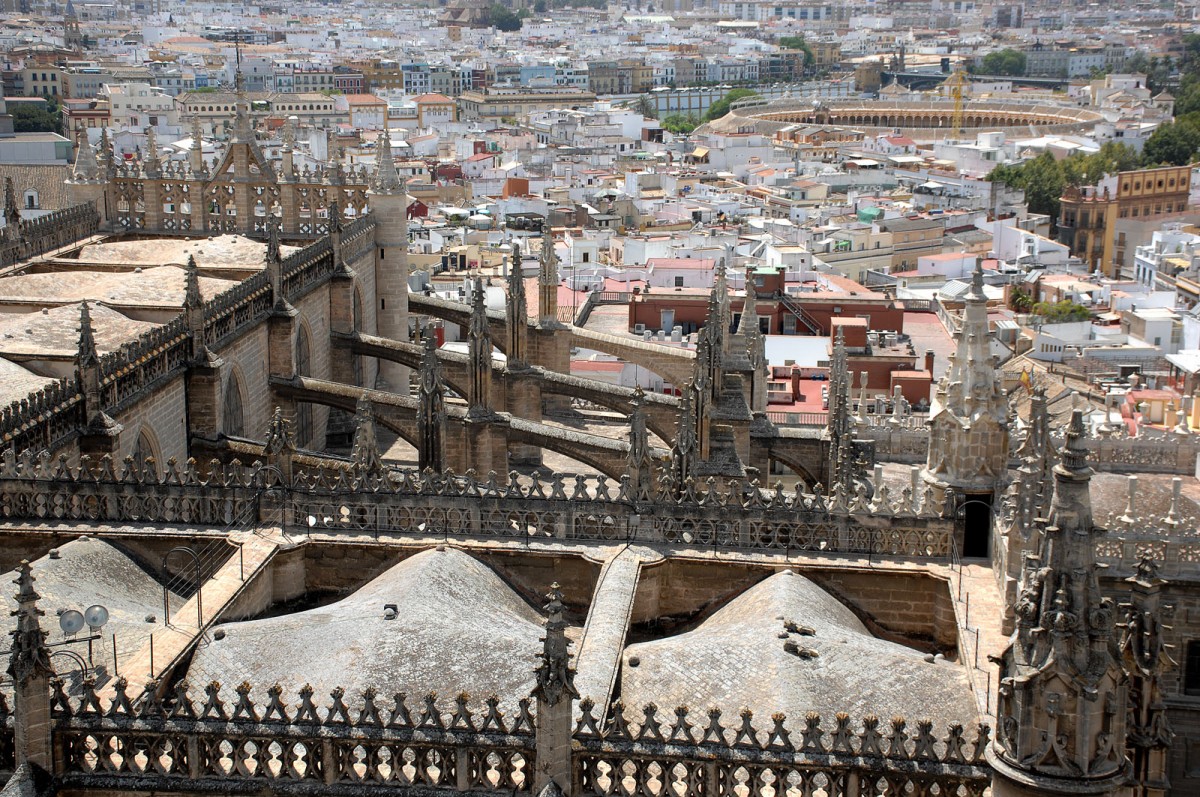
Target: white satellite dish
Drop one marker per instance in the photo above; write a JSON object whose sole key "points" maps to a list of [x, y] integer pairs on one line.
{"points": [[96, 616], [70, 621]]}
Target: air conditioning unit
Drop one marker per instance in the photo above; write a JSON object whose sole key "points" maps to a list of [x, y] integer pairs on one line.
{"points": [[639, 329]]}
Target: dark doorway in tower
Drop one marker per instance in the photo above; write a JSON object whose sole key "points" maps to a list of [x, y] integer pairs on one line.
{"points": [[975, 514]]}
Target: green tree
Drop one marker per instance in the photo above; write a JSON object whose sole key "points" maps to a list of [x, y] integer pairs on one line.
{"points": [[539, 7], [1020, 301], [1042, 179], [1004, 62], [36, 117], [645, 107], [680, 124], [721, 106], [1061, 312], [1172, 144], [797, 43], [503, 19]]}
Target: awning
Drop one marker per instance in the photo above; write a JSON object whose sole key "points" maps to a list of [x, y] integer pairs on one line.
{"points": [[932, 184], [700, 152]]}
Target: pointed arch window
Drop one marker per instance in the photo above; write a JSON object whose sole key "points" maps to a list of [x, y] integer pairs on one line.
{"points": [[304, 415], [232, 419]]}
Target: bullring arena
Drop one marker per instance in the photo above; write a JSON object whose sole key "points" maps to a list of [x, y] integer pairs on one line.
{"points": [[921, 120]]}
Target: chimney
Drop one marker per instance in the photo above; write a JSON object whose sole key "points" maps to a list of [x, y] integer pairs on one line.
{"points": [[929, 360]]}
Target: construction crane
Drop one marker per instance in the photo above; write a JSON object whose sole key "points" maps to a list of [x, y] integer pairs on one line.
{"points": [[957, 82]]}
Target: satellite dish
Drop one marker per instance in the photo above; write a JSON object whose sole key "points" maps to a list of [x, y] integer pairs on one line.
{"points": [[96, 616], [70, 621]]}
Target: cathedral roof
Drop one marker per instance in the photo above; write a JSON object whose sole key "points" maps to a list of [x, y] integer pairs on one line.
{"points": [[737, 659], [90, 571], [51, 331], [161, 287], [235, 252], [457, 625]]}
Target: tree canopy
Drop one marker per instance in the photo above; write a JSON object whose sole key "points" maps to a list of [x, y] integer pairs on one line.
{"points": [[721, 106], [1043, 179], [1003, 62], [680, 124], [503, 19], [797, 43], [1174, 143], [36, 117]]}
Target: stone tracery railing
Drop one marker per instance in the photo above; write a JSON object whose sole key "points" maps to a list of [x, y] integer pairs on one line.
{"points": [[373, 743], [335, 500]]}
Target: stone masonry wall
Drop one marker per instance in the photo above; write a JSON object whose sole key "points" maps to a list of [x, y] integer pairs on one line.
{"points": [[163, 415], [248, 357]]}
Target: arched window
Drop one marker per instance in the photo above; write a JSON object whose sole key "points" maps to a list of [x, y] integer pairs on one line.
{"points": [[303, 364], [144, 449], [232, 421]]}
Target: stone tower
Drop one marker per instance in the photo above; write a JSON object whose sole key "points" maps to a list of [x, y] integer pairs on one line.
{"points": [[72, 34], [1062, 700], [389, 206], [968, 425]]}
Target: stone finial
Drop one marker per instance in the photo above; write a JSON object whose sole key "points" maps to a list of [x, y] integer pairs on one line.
{"points": [[191, 294], [517, 312], [479, 398], [12, 211], [243, 132], [977, 293], [555, 676], [337, 222], [387, 179], [30, 655], [431, 416], [365, 452], [685, 448], [86, 356], [150, 162], [274, 253], [86, 169], [1074, 452], [279, 435], [640, 463]]}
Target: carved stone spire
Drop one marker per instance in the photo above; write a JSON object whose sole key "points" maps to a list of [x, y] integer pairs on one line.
{"points": [[30, 655], [243, 131], [279, 446], [548, 281], [431, 418], [684, 451], [86, 356], [12, 211], [30, 668], [720, 297], [555, 676], [387, 179], [196, 153], [968, 418], [101, 430], [287, 163], [1062, 701], [555, 694], [273, 259], [107, 154], [1145, 658], [479, 397], [518, 313], [86, 169], [191, 293], [150, 162], [364, 454], [640, 465], [841, 468]]}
